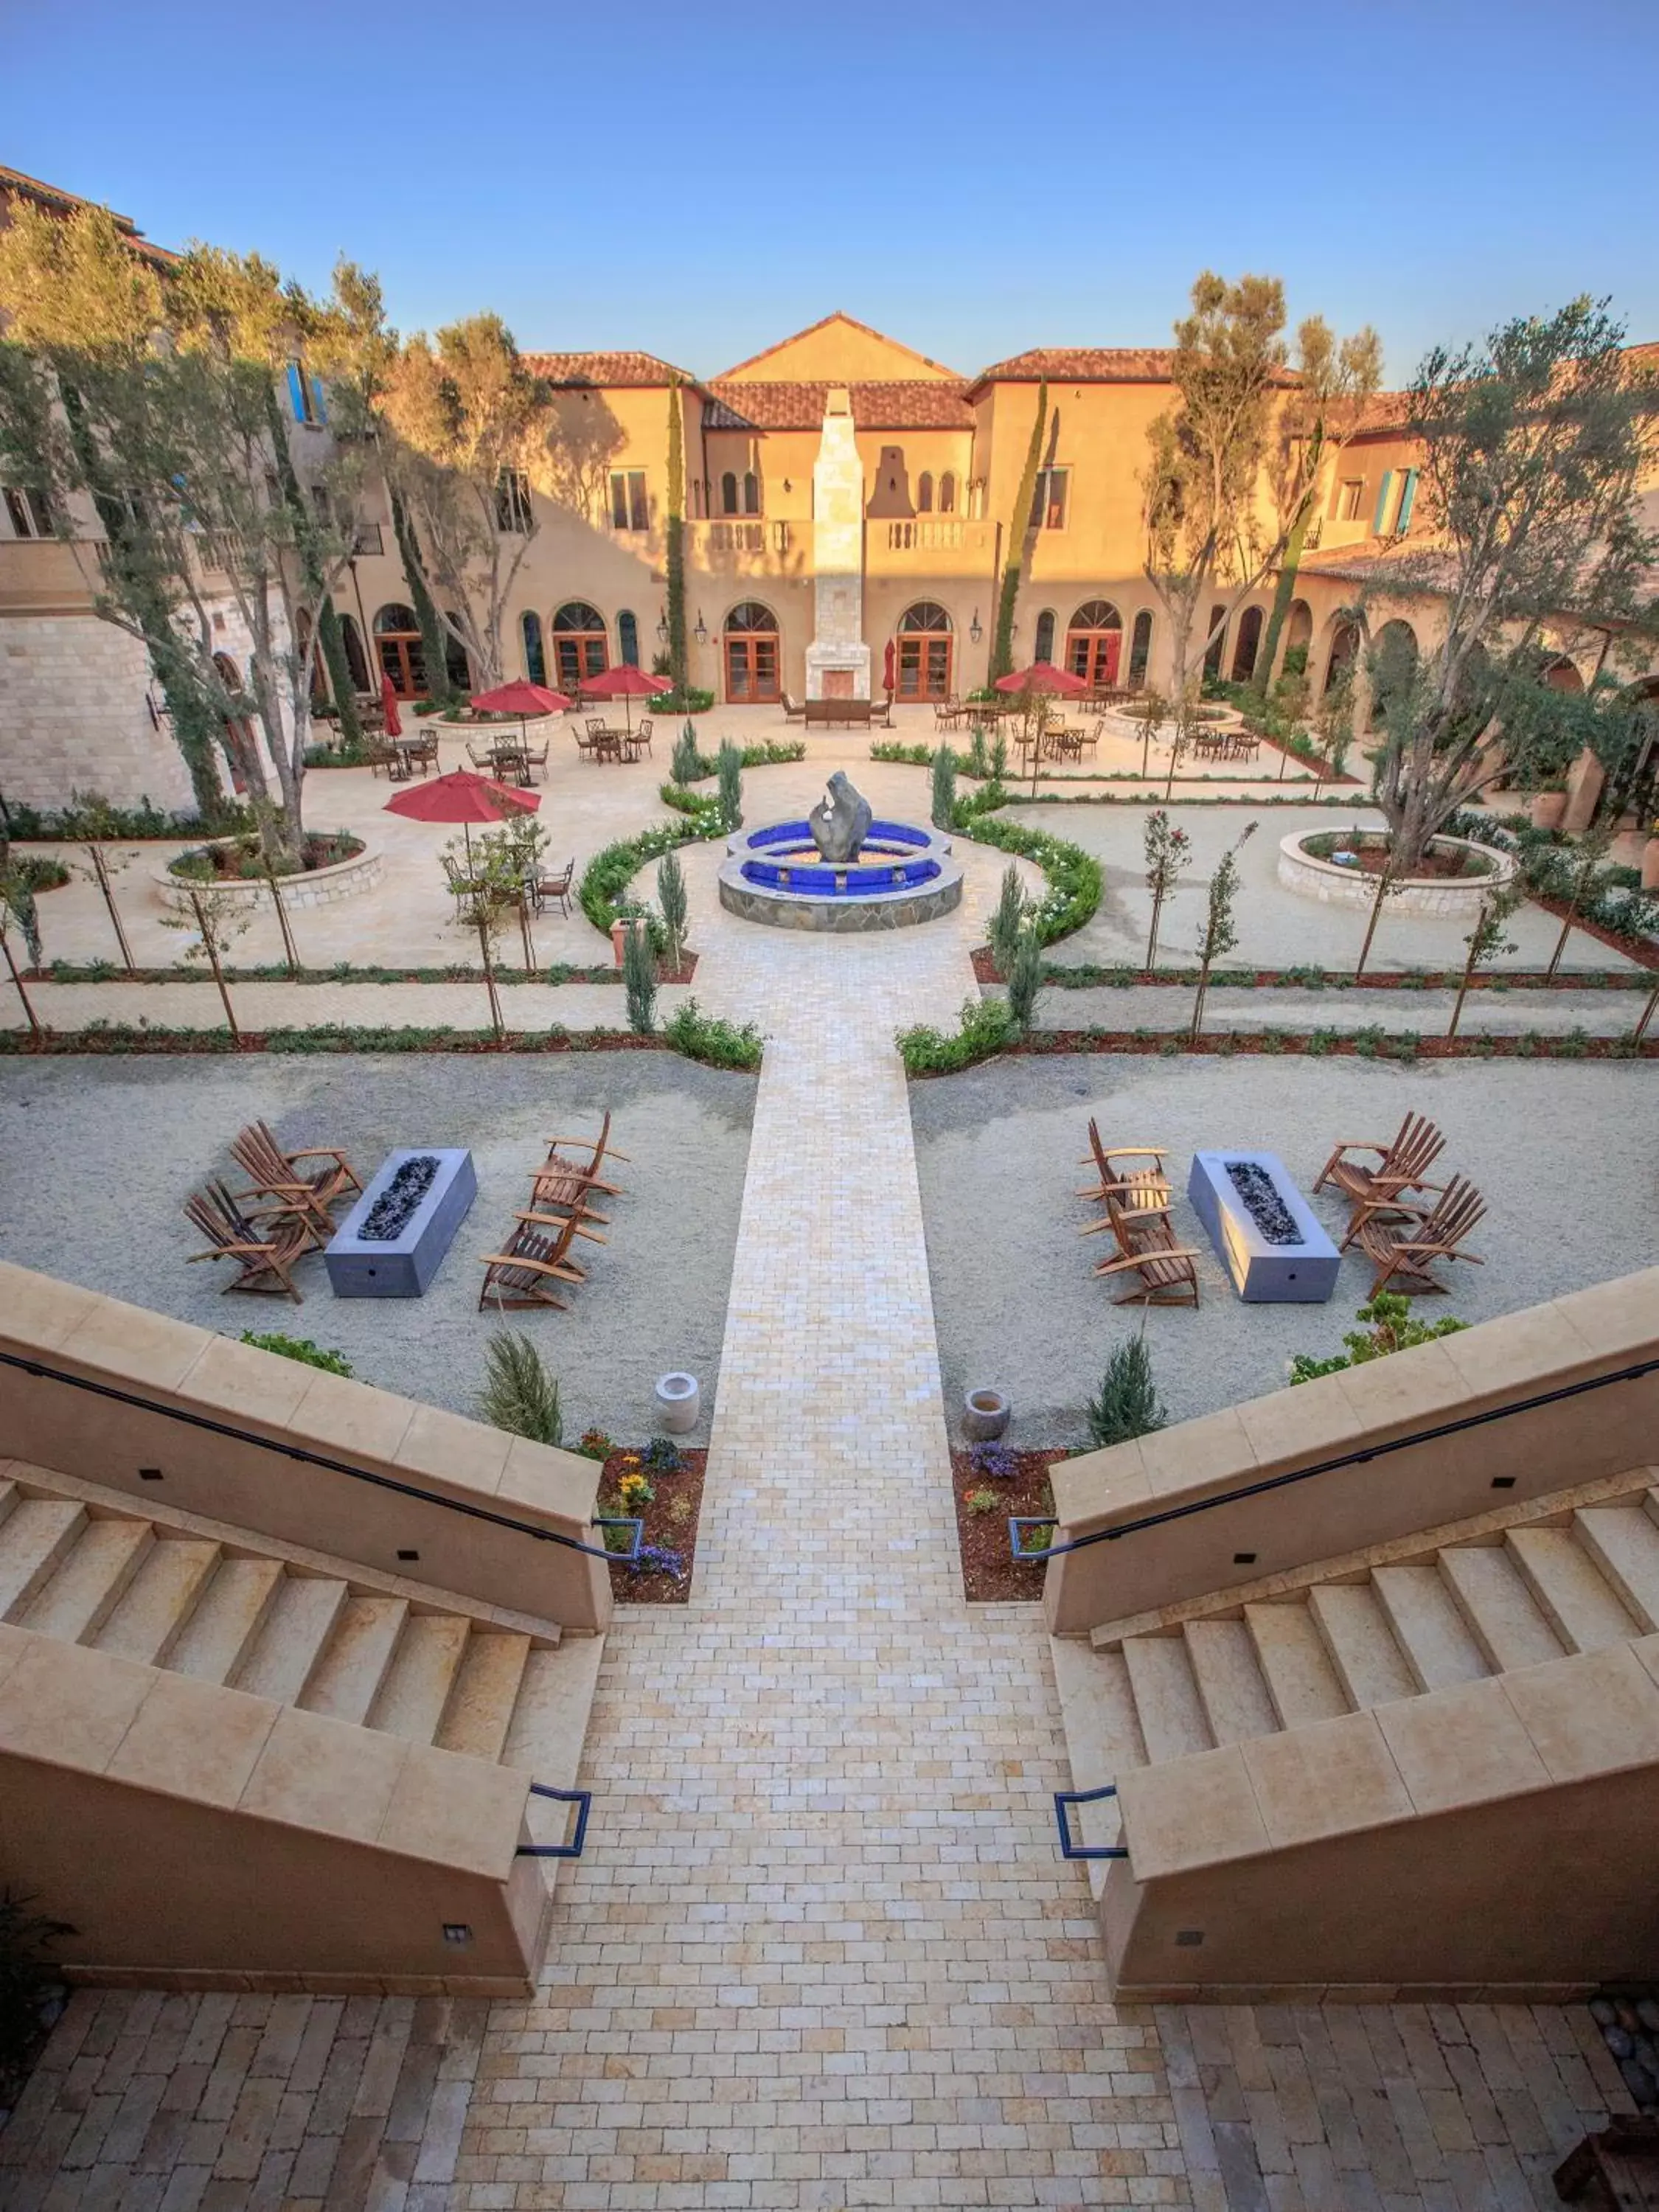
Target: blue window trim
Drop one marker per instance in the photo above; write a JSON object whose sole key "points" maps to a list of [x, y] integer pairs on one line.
{"points": [[1408, 494], [1382, 491]]}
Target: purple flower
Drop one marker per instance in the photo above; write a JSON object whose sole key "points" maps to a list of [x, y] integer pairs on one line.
{"points": [[995, 1460], [658, 1559]]}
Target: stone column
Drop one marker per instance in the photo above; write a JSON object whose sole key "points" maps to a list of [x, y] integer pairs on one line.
{"points": [[838, 659]]}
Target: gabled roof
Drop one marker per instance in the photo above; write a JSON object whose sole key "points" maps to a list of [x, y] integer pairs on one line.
{"points": [[895, 404], [57, 200], [616, 371], [744, 368]]}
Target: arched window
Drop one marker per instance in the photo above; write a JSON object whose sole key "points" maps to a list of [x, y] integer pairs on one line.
{"points": [[751, 492], [580, 647], [750, 641], [1392, 668], [1094, 641], [925, 649], [1345, 649], [457, 666], [925, 492], [402, 652], [947, 493], [1247, 643], [1140, 648], [729, 493], [535, 659], [1216, 630], [627, 640], [356, 660], [237, 735], [1045, 636]]}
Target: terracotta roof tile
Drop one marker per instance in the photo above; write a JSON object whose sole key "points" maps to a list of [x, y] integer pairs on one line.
{"points": [[895, 404], [616, 370], [1085, 365]]}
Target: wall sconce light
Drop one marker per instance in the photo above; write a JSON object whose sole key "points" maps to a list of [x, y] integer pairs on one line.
{"points": [[662, 627], [701, 632], [787, 485], [973, 630]]}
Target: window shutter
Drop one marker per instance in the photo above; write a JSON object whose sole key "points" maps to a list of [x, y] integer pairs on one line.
{"points": [[320, 410], [1382, 502], [1407, 493], [296, 392]]}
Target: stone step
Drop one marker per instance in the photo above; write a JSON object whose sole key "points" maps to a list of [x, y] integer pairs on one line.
{"points": [[1501, 1612], [347, 1679], [480, 1709], [1433, 1636], [291, 1638], [1301, 1680], [1368, 1662], [550, 1723], [1167, 1701], [10, 1496], [157, 1604], [1623, 1542], [1096, 1703], [224, 1625], [1229, 1680], [91, 1581], [38, 1536], [416, 1688], [1573, 1595]]}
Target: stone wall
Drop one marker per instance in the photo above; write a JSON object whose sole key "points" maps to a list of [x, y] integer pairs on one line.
{"points": [[73, 716]]}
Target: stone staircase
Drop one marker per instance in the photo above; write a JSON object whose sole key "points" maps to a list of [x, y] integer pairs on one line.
{"points": [[1573, 1573], [192, 1597]]}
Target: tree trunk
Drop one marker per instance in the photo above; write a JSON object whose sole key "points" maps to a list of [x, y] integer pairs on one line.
{"points": [[100, 869], [1463, 987], [1151, 940], [1283, 591], [1648, 1011], [433, 645], [211, 942], [35, 1019], [490, 978]]}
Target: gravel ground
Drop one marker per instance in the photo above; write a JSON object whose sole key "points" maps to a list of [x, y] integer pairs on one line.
{"points": [[1277, 928], [1486, 1012], [97, 1156], [1564, 1154]]}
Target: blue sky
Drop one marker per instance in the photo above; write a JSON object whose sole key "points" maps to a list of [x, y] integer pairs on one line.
{"points": [[701, 182]]}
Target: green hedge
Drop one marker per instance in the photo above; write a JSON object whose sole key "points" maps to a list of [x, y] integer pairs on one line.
{"points": [[603, 891], [1075, 880]]}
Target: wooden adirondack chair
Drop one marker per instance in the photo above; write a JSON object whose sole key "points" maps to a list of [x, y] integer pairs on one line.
{"points": [[264, 1242], [1161, 1273], [538, 1255], [1402, 1165], [1138, 1187], [598, 1150], [562, 1190], [273, 1173], [1403, 1242]]}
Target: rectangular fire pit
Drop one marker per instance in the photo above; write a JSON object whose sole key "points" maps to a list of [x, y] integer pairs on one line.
{"points": [[1264, 1232], [393, 1240]]}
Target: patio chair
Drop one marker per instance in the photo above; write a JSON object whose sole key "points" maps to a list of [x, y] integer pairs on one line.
{"points": [[1138, 1188], [536, 761], [1401, 1165], [554, 887], [537, 1257], [273, 1173], [1402, 1241], [561, 1188], [485, 761], [264, 1242], [643, 737], [1161, 1273], [588, 747], [598, 1150], [1091, 743]]}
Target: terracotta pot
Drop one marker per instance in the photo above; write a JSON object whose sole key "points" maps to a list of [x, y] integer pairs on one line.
{"points": [[619, 936], [1548, 810], [1651, 864]]}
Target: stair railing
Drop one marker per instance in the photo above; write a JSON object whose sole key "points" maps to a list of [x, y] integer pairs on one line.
{"points": [[1069, 1846], [572, 1846]]}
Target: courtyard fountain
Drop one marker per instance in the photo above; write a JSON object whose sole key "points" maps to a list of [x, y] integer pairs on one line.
{"points": [[841, 869]]}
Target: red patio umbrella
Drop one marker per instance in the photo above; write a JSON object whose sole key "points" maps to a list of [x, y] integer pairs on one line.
{"points": [[624, 684], [461, 797], [519, 697], [394, 728], [887, 669], [1042, 676]]}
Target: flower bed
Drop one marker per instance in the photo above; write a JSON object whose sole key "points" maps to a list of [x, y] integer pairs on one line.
{"points": [[672, 1513], [336, 867], [1092, 976], [990, 1574], [1465, 872]]}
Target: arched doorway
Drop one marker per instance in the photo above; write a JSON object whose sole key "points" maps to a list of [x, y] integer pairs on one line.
{"points": [[751, 654], [1094, 642], [1045, 636], [402, 653], [1560, 675], [1340, 662], [237, 736], [1298, 626], [1392, 668], [1140, 648], [356, 659], [535, 659], [1218, 637], [579, 647], [458, 662], [924, 652], [1247, 643]]}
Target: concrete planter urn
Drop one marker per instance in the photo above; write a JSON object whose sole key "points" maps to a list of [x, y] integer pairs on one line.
{"points": [[986, 1415], [619, 936], [678, 1403], [1547, 810]]}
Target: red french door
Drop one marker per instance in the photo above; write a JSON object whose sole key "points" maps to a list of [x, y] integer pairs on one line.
{"points": [[751, 667], [1093, 655], [924, 665]]}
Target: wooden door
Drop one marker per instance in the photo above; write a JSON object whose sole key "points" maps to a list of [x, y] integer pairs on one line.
{"points": [[924, 665], [751, 668], [1093, 655]]}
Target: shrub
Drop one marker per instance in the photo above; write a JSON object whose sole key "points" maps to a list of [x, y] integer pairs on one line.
{"points": [[728, 766], [889, 750], [987, 1027], [639, 982], [1008, 920], [519, 1395], [1024, 977], [1390, 1326], [602, 893], [688, 764], [692, 701], [301, 1348], [1128, 1404], [944, 787], [996, 1460], [1075, 881], [670, 898], [983, 1501], [595, 1444], [706, 1037], [662, 1455]]}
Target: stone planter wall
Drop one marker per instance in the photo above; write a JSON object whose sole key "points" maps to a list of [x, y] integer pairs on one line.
{"points": [[1460, 897], [318, 887]]}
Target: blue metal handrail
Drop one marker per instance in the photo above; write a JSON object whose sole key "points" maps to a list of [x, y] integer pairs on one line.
{"points": [[572, 1848], [43, 1369], [1464, 1421], [1069, 1847], [629, 1557]]}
